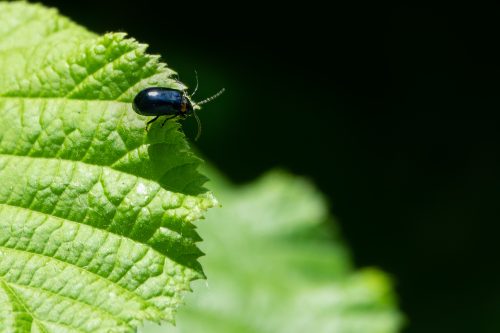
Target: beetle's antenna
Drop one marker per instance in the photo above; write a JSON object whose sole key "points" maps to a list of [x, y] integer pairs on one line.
{"points": [[199, 125], [196, 88], [212, 97]]}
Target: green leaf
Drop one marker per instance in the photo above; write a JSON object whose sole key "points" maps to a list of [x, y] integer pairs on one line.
{"points": [[276, 265], [96, 214]]}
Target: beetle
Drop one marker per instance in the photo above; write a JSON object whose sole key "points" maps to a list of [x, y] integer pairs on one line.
{"points": [[161, 101]]}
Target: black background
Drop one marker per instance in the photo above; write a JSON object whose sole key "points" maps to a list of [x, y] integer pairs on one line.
{"points": [[393, 112]]}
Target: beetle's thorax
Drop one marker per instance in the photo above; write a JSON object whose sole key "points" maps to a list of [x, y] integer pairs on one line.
{"points": [[186, 106]]}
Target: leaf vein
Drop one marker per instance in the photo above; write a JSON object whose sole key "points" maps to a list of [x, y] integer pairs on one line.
{"points": [[125, 291], [95, 72], [21, 303], [75, 300], [18, 26]]}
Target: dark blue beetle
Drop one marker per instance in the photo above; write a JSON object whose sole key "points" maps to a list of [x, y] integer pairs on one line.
{"points": [[158, 101]]}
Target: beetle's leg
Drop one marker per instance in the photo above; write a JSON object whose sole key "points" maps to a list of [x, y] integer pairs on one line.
{"points": [[151, 121], [163, 124]]}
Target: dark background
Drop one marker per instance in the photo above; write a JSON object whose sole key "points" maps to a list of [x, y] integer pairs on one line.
{"points": [[393, 112]]}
